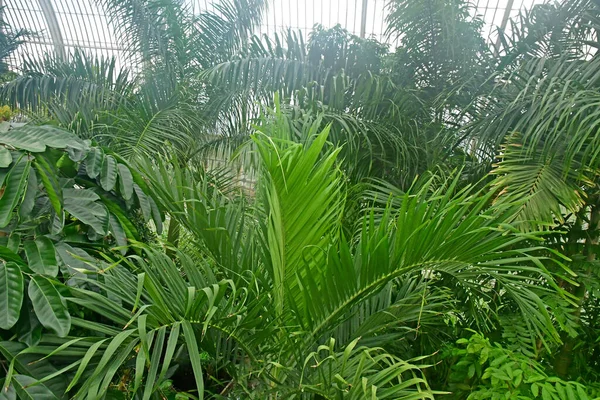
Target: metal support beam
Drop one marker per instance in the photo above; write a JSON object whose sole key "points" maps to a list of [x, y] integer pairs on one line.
{"points": [[363, 18], [53, 28], [505, 18]]}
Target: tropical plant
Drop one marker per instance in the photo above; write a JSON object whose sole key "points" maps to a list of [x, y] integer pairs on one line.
{"points": [[63, 202], [374, 208], [484, 371]]}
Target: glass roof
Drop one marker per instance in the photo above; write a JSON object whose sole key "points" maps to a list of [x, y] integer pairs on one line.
{"points": [[63, 25]]}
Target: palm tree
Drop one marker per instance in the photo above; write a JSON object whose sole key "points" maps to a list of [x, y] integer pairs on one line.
{"points": [[545, 120]]}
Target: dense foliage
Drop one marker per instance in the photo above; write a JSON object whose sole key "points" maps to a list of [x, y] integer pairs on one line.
{"points": [[342, 220]]}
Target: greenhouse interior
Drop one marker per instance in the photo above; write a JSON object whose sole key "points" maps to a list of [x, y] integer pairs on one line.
{"points": [[300, 199]]}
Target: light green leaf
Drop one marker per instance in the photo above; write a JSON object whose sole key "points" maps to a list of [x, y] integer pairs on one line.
{"points": [[49, 306], [41, 256], [15, 184], [36, 138], [4, 126], [108, 177], [5, 157], [11, 294]]}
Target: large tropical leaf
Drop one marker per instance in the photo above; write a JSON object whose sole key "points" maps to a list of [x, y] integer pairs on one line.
{"points": [[16, 181], [296, 231], [49, 305], [41, 256], [11, 297]]}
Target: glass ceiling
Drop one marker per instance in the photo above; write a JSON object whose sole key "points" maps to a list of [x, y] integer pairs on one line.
{"points": [[63, 25]]}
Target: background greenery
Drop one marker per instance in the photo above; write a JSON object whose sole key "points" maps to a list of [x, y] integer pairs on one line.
{"points": [[342, 220]]}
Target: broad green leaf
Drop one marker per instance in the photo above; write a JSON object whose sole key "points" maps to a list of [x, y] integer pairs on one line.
{"points": [[48, 176], [14, 242], [29, 388], [36, 138], [31, 194], [93, 162], [9, 394], [9, 255], [72, 257], [5, 157], [58, 223], [89, 212], [143, 201], [49, 306], [29, 329], [67, 167], [125, 182], [41, 256], [108, 177], [116, 210], [119, 233], [83, 195], [4, 126], [11, 294], [15, 184]]}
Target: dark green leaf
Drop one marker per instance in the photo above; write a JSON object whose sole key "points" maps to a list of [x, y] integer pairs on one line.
{"points": [[125, 182], [11, 294], [9, 255], [15, 184], [48, 175], [194, 354], [29, 388], [72, 257], [143, 201], [29, 329], [31, 194], [49, 306], [119, 233], [108, 178], [41, 256], [58, 223], [14, 242], [156, 215], [93, 162], [82, 205]]}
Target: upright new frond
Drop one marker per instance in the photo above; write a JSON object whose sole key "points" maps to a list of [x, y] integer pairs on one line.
{"points": [[297, 232]]}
